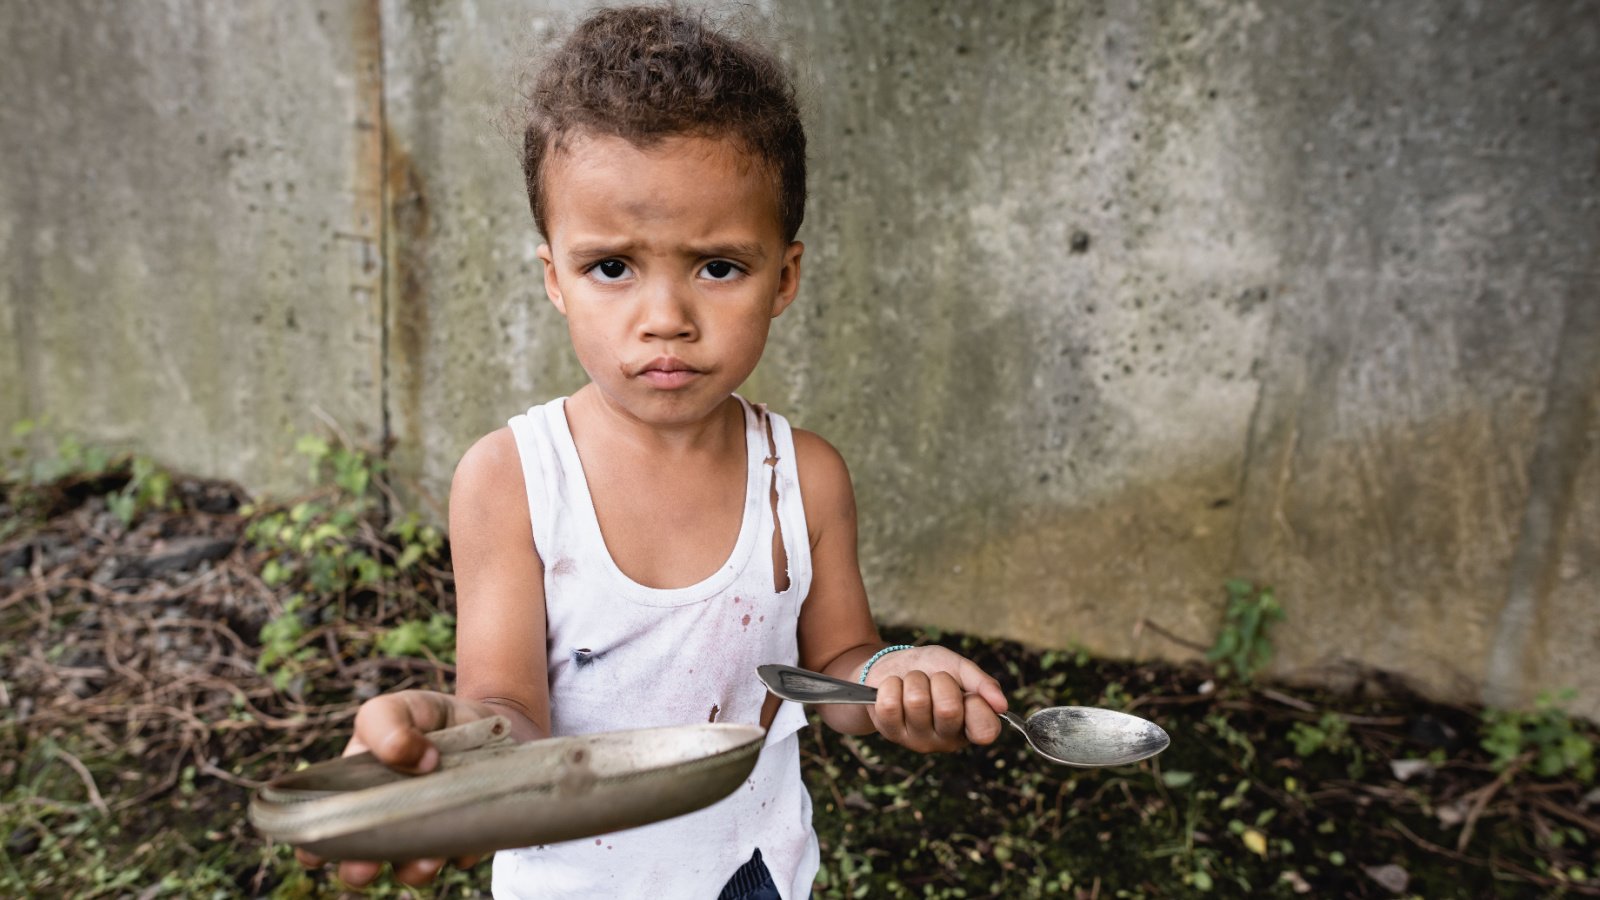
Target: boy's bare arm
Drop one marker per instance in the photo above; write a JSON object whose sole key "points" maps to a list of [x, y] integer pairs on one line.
{"points": [[929, 698], [837, 634], [500, 634], [500, 617], [500, 624]]}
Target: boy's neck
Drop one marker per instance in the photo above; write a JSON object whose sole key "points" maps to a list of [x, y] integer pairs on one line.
{"points": [[590, 413]]}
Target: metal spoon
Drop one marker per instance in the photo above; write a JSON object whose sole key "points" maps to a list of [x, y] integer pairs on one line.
{"points": [[1084, 736]]}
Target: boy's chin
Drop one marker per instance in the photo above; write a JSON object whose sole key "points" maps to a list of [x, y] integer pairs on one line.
{"points": [[680, 406]]}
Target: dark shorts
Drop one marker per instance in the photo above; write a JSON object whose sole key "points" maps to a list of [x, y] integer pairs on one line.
{"points": [[750, 881]]}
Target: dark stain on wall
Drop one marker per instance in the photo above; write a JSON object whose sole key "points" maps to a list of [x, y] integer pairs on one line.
{"points": [[410, 228]]}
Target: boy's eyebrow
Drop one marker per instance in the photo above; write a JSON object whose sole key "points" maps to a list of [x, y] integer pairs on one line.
{"points": [[585, 253], [590, 252], [738, 249]]}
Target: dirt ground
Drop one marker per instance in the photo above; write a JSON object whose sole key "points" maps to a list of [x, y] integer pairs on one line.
{"points": [[165, 647]]}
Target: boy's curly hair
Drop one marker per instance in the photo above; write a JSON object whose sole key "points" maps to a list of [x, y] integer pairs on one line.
{"points": [[645, 73]]}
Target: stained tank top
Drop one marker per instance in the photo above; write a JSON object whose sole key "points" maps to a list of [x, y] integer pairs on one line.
{"points": [[622, 655]]}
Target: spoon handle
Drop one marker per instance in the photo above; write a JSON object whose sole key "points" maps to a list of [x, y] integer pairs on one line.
{"points": [[1015, 721], [804, 686]]}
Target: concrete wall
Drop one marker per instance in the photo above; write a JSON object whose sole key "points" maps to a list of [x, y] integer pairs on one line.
{"points": [[1104, 303], [188, 225]]}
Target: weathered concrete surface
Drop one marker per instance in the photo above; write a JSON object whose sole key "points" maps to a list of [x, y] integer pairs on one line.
{"points": [[186, 242], [1548, 629], [472, 339], [1104, 303], [1438, 236], [1332, 252], [1048, 441]]}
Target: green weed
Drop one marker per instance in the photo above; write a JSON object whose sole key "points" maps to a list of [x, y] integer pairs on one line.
{"points": [[1546, 734], [434, 638], [1242, 647], [314, 544], [1331, 732], [69, 457], [149, 488], [132, 484], [1233, 737], [328, 544], [281, 652], [330, 548]]}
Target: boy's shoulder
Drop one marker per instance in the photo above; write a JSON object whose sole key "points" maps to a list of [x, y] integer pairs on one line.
{"points": [[489, 474], [493, 453], [812, 450], [824, 479]]}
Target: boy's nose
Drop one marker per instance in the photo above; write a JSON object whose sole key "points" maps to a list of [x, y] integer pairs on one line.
{"points": [[667, 314]]}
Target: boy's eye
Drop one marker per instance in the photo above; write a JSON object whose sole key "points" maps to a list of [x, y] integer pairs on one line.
{"points": [[720, 270], [609, 270]]}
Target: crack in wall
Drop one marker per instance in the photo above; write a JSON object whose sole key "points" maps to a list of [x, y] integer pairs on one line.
{"points": [[379, 103]]}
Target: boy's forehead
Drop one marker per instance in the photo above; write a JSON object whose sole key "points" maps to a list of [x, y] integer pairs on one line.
{"points": [[673, 177]]}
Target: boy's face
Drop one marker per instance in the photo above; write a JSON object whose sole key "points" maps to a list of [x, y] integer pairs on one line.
{"points": [[669, 264]]}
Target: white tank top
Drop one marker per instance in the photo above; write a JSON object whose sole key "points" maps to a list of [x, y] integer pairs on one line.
{"points": [[622, 655]]}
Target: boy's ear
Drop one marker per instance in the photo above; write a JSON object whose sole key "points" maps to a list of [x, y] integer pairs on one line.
{"points": [[788, 278], [552, 287]]}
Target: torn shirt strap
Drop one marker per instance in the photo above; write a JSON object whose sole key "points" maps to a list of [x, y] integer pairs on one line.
{"points": [[766, 427]]}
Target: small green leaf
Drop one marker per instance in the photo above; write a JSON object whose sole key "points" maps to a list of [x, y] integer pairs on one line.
{"points": [[312, 446], [409, 557]]}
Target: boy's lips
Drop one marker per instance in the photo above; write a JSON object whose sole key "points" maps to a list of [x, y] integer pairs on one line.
{"points": [[667, 372]]}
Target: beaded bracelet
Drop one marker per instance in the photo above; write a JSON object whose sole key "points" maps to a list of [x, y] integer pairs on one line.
{"points": [[877, 656]]}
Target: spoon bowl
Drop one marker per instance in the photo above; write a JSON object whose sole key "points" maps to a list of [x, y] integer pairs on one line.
{"points": [[1083, 736], [1089, 736]]}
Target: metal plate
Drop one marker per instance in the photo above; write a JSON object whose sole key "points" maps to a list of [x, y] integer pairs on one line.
{"points": [[510, 795]]}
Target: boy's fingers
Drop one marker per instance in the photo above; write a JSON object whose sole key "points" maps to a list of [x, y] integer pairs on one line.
{"points": [[393, 727], [408, 751], [949, 708], [467, 862], [918, 702], [417, 872], [982, 724], [359, 872], [888, 714], [976, 681]]}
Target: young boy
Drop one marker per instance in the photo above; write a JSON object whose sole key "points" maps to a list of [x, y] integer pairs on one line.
{"points": [[627, 556]]}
